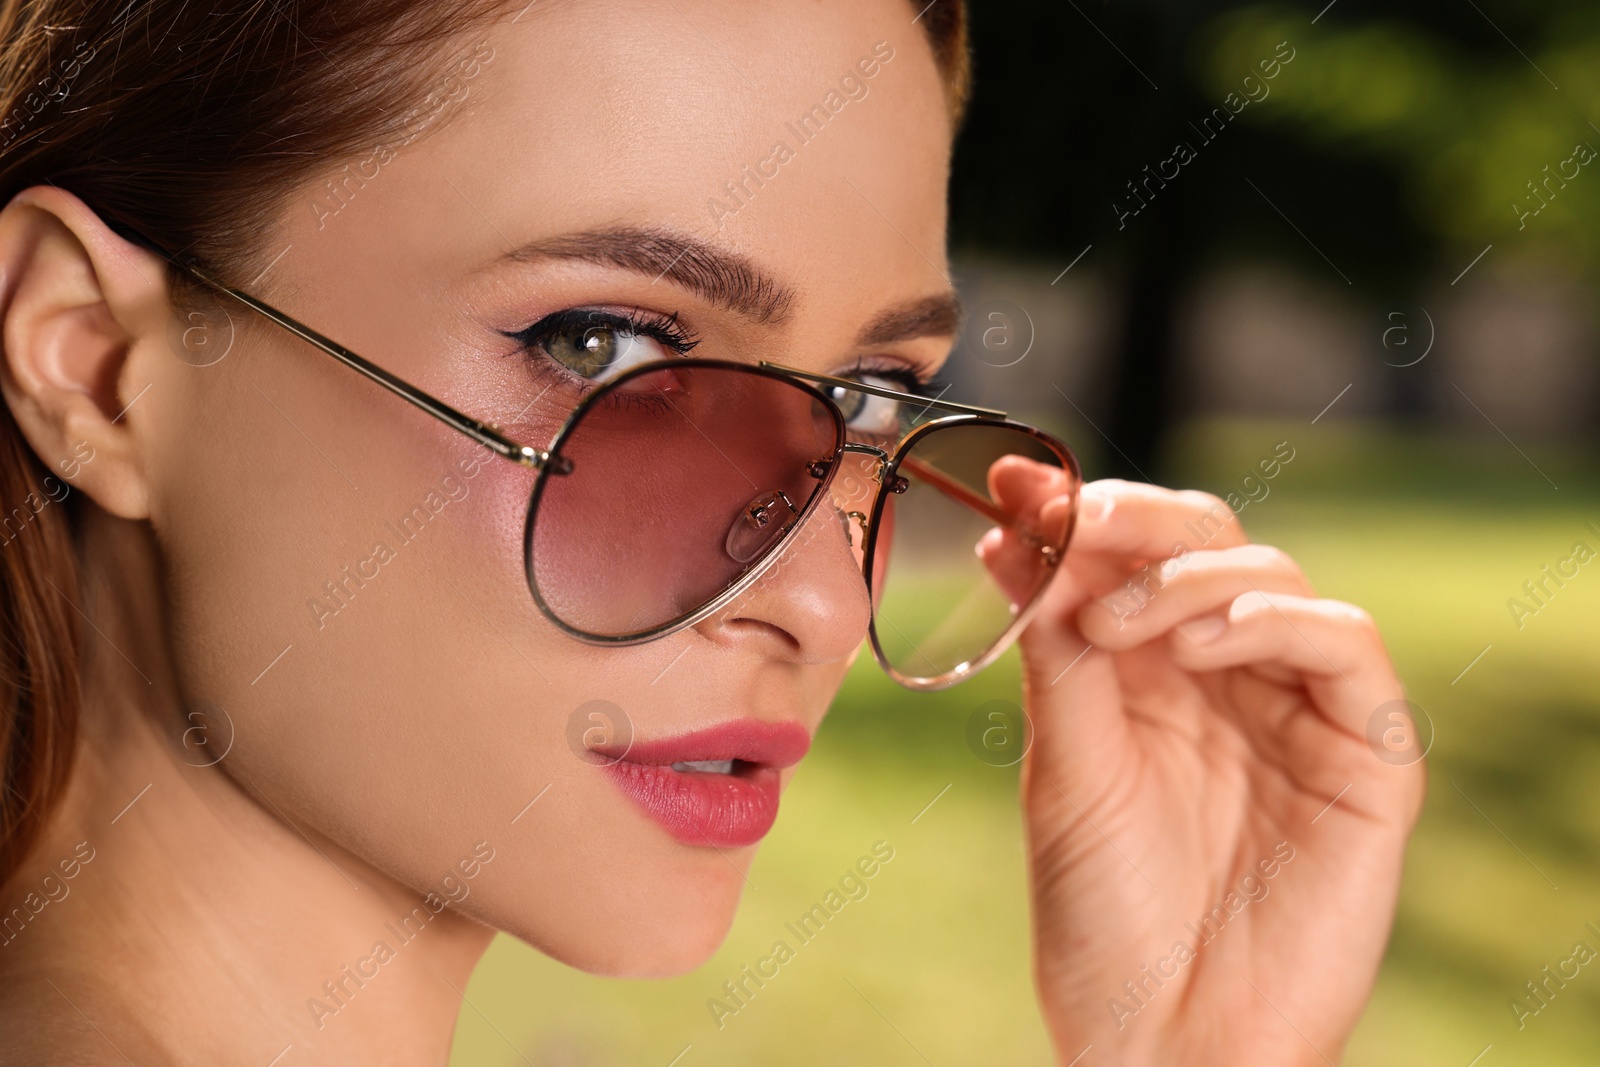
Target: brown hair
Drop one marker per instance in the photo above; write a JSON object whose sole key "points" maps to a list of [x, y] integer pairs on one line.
{"points": [[192, 123], [945, 22]]}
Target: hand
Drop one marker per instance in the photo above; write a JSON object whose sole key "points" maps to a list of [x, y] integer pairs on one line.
{"points": [[1215, 850]]}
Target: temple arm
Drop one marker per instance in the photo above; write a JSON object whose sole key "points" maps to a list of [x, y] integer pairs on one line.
{"points": [[955, 490], [486, 434]]}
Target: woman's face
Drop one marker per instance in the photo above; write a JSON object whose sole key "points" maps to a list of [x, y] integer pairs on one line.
{"points": [[346, 576]]}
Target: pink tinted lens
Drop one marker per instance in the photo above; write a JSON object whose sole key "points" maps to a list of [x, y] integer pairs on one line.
{"points": [[681, 482]]}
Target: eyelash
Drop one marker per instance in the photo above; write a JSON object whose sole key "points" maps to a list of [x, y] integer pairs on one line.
{"points": [[663, 328], [910, 379], [674, 336]]}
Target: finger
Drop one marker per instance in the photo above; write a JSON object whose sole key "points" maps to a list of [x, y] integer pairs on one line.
{"points": [[1021, 485], [1074, 698], [1039, 499], [1163, 595], [1020, 564], [1334, 646], [1148, 522]]}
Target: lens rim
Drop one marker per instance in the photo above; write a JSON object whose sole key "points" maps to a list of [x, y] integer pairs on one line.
{"points": [[553, 469], [962, 671]]}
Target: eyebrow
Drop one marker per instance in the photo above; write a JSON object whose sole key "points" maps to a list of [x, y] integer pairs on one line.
{"points": [[931, 316], [729, 280], [725, 279]]}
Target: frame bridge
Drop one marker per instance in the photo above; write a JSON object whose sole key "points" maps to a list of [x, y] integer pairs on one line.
{"points": [[865, 450], [879, 455], [896, 484]]}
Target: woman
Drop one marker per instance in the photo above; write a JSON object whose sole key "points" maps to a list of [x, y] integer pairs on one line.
{"points": [[214, 530]]}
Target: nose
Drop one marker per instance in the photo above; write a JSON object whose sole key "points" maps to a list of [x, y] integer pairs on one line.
{"points": [[810, 605]]}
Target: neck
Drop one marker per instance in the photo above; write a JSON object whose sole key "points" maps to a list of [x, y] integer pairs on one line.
{"points": [[178, 911]]}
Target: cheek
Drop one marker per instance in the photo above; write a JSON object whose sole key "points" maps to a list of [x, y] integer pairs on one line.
{"points": [[347, 615], [365, 687]]}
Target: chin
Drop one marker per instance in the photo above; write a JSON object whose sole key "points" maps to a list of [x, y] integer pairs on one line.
{"points": [[667, 957], [659, 924]]}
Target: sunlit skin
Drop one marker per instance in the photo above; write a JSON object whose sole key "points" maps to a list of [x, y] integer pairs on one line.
{"points": [[377, 745]]}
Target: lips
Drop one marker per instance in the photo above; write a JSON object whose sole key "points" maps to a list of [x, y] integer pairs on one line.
{"points": [[678, 781]]}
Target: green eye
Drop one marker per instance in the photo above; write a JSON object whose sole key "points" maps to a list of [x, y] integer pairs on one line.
{"points": [[596, 345], [867, 414], [849, 401], [600, 350], [591, 352]]}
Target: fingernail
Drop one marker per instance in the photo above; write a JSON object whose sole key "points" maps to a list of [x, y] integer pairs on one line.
{"points": [[1095, 504], [1204, 630], [989, 543]]}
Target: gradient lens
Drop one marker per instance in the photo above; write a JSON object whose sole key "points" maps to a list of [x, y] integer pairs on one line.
{"points": [[678, 482], [943, 609]]}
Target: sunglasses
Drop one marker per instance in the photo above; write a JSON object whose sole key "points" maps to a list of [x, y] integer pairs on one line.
{"points": [[674, 486]]}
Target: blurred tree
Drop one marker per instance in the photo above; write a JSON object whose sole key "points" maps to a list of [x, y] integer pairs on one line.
{"points": [[1491, 150], [1396, 140]]}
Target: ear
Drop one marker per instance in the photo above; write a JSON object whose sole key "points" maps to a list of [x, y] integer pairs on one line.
{"points": [[75, 299]]}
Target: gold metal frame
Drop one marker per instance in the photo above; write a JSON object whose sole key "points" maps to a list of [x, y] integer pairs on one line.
{"points": [[549, 461]]}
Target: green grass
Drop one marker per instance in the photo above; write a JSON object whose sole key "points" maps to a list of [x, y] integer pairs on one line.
{"points": [[1432, 537]]}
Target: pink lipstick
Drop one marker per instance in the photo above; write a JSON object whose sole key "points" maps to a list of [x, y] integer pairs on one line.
{"points": [[717, 786]]}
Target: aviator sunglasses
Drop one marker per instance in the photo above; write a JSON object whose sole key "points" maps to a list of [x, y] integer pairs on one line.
{"points": [[676, 484]]}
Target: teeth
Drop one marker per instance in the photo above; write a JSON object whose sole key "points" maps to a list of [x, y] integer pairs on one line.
{"points": [[710, 766]]}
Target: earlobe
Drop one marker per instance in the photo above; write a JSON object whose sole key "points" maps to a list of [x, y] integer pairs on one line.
{"points": [[75, 300]]}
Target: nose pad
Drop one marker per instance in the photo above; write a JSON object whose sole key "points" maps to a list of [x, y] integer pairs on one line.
{"points": [[813, 596], [850, 534], [758, 524], [852, 492]]}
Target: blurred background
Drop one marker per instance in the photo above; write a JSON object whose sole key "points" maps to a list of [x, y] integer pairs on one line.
{"points": [[1187, 233]]}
